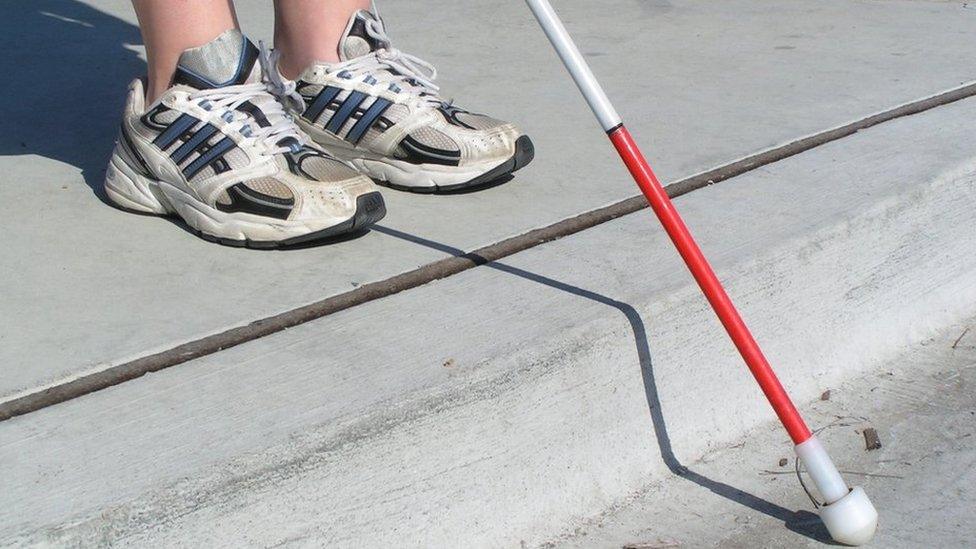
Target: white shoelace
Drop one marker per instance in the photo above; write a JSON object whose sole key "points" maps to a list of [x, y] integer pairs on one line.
{"points": [[411, 69], [409, 73], [277, 84], [281, 128]]}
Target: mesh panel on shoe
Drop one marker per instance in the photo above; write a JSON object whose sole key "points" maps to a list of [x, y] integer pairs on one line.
{"points": [[433, 138], [224, 60], [355, 46], [324, 169], [396, 113], [203, 175], [236, 158], [167, 117], [371, 134], [270, 186], [479, 121]]}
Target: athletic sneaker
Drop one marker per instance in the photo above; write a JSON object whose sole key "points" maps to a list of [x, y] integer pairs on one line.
{"points": [[379, 109], [219, 150]]}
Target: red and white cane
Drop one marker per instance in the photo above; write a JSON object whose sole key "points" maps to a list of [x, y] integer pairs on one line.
{"points": [[847, 513]]}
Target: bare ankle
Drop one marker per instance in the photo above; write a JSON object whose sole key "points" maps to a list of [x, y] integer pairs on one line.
{"points": [[293, 62], [288, 68], [156, 86]]}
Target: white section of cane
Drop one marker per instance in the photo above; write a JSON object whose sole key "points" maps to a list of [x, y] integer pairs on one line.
{"points": [[577, 66]]}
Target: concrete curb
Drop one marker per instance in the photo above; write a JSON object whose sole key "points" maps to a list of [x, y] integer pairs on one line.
{"points": [[536, 437]]}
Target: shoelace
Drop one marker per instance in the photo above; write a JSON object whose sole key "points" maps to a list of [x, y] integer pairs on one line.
{"points": [[281, 136], [409, 73], [284, 89], [411, 69]]}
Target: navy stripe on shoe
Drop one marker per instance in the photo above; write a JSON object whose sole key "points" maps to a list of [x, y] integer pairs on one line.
{"points": [[322, 100], [206, 158], [174, 131], [255, 112], [374, 111], [247, 200], [348, 107], [199, 138], [418, 153], [128, 148]]}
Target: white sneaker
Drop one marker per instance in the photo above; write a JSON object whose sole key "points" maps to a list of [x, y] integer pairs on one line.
{"points": [[379, 109], [219, 150]]}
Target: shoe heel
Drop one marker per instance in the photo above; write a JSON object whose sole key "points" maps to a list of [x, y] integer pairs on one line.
{"points": [[130, 190]]}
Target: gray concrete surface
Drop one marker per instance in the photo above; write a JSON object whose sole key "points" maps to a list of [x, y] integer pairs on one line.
{"points": [[922, 479], [503, 404], [701, 83]]}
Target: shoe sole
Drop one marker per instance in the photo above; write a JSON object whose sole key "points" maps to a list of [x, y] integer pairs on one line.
{"points": [[370, 208], [133, 192], [524, 154]]}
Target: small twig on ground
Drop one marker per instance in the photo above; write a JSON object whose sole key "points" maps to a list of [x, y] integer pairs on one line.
{"points": [[839, 422], [872, 475], [958, 339], [856, 473], [663, 544]]}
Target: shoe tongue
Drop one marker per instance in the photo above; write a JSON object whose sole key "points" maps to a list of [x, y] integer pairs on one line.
{"points": [[228, 60], [356, 41]]}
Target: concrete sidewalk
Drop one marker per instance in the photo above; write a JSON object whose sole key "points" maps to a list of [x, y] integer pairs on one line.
{"points": [[550, 398], [922, 479], [701, 83], [503, 405]]}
